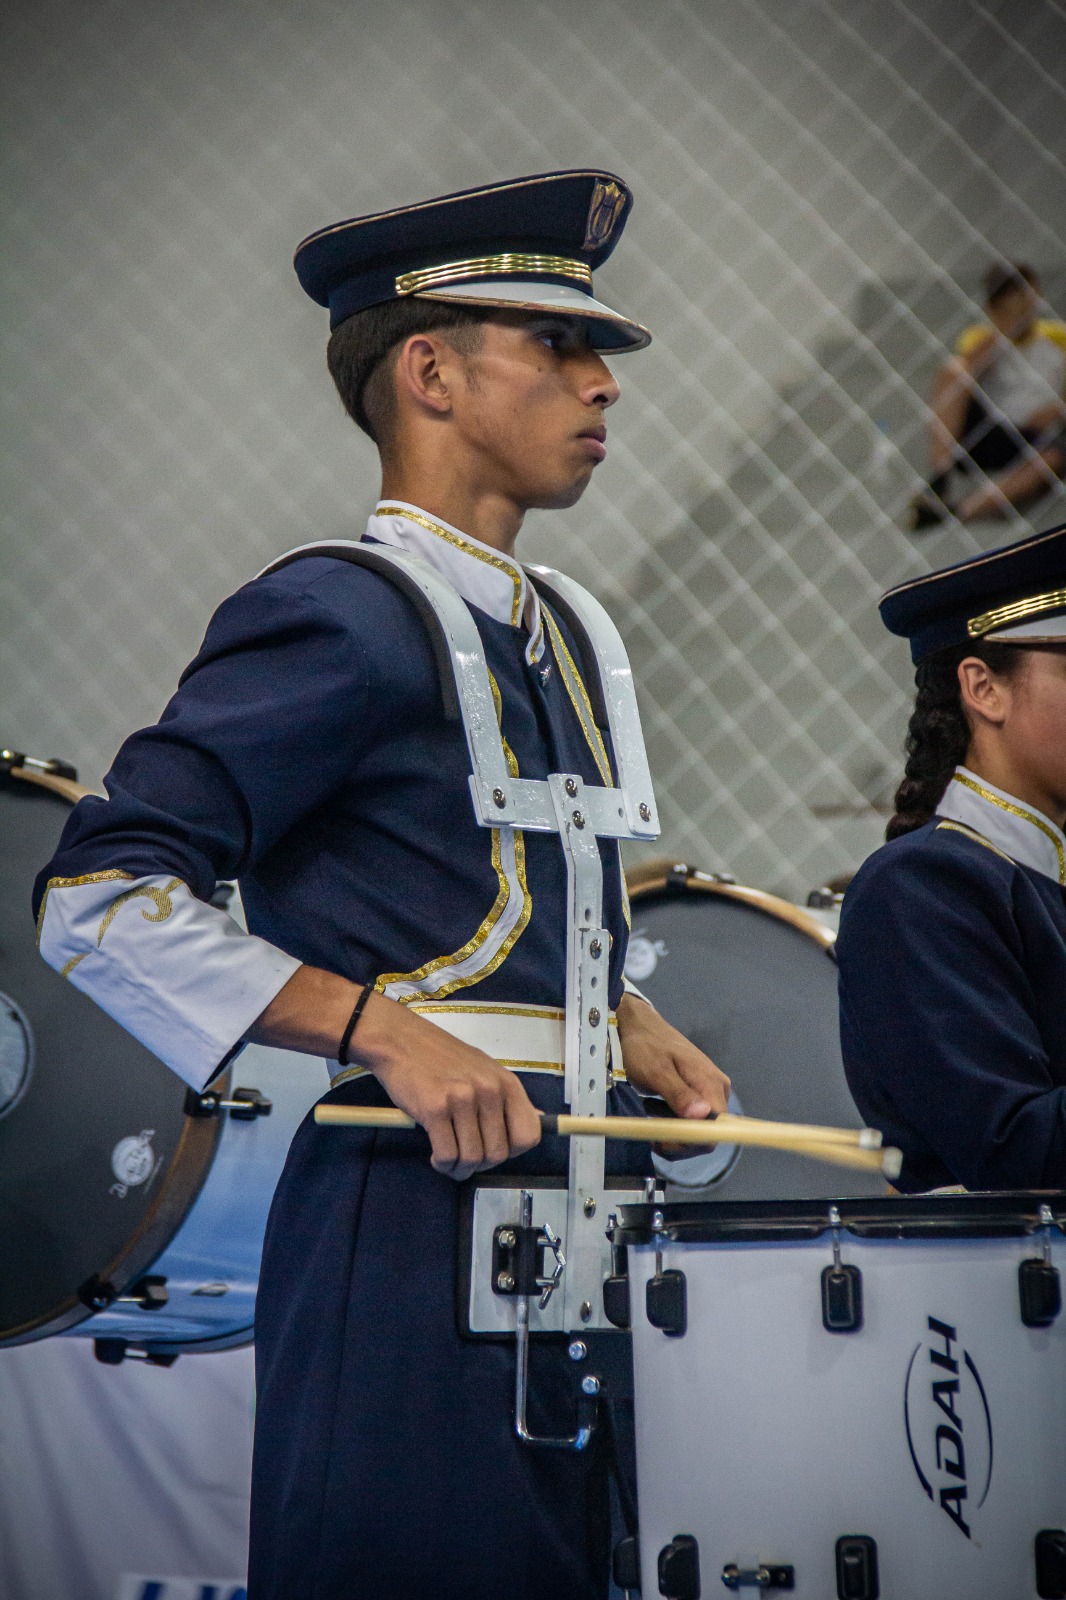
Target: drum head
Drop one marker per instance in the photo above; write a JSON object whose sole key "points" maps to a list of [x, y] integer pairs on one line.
{"points": [[752, 980], [98, 1160]]}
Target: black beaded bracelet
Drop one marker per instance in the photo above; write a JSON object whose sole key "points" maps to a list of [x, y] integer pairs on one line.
{"points": [[346, 1036]]}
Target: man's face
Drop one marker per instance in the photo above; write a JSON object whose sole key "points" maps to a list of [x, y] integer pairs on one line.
{"points": [[529, 409], [1015, 311]]}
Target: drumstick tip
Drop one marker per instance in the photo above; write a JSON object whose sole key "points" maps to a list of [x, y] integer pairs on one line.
{"points": [[891, 1162]]}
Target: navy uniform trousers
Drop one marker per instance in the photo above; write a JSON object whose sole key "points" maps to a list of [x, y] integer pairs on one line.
{"points": [[386, 1464]]}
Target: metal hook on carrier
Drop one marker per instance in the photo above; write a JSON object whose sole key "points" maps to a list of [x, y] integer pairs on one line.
{"points": [[579, 1439]]}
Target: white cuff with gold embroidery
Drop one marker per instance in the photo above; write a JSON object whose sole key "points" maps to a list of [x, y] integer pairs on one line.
{"points": [[181, 976]]}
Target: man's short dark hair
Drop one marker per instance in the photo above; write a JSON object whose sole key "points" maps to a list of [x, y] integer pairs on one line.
{"points": [[1005, 277], [357, 349]]}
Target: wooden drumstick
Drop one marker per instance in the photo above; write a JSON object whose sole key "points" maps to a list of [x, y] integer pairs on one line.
{"points": [[797, 1140]]}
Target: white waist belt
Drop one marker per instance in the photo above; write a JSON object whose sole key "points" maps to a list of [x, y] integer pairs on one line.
{"points": [[524, 1038]]}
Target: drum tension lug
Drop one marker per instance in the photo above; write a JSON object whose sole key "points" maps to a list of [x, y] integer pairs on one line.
{"points": [[113, 1352], [679, 1568], [764, 1576], [1050, 1552], [841, 1288], [666, 1293], [616, 1293], [856, 1562], [1039, 1283], [149, 1293], [13, 760], [244, 1105], [625, 1564]]}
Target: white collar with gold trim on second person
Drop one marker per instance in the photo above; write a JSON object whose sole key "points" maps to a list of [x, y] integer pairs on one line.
{"points": [[485, 577], [1020, 831]]}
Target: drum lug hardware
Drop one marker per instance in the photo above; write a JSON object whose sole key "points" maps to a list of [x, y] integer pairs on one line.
{"points": [[113, 1352], [244, 1106], [665, 1294], [679, 1568], [1039, 1283], [149, 1293], [856, 1563], [541, 1238], [763, 1576], [841, 1288], [625, 1565], [1050, 1552], [616, 1287]]}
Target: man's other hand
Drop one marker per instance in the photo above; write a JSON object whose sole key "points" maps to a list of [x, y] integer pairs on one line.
{"points": [[659, 1060]]}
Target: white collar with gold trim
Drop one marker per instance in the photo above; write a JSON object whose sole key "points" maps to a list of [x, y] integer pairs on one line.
{"points": [[493, 582], [1020, 831]]}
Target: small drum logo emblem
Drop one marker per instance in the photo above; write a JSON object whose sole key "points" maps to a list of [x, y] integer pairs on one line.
{"points": [[133, 1161], [643, 955]]}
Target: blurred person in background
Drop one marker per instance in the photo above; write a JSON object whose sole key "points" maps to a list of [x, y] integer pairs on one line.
{"points": [[999, 412]]}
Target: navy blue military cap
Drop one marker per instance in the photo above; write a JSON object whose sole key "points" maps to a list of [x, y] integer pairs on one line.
{"points": [[531, 244], [1014, 595]]}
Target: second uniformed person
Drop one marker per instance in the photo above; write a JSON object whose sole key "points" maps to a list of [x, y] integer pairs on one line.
{"points": [[306, 753]]}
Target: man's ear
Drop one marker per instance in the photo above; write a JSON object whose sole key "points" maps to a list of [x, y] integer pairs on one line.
{"points": [[984, 694], [421, 375]]}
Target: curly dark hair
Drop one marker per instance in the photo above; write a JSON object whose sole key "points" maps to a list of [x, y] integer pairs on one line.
{"points": [[938, 734]]}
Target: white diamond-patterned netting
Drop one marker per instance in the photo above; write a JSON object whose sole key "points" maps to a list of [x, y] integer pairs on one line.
{"points": [[819, 189]]}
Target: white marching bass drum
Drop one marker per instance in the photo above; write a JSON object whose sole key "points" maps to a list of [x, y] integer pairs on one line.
{"points": [[858, 1400], [132, 1210]]}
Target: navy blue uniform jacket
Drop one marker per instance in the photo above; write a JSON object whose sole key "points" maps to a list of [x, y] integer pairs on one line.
{"points": [[953, 1011], [306, 753]]}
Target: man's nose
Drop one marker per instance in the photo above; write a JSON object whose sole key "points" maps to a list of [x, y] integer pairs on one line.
{"points": [[599, 386]]}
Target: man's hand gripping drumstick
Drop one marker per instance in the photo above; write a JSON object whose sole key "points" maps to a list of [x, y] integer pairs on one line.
{"points": [[475, 1112]]}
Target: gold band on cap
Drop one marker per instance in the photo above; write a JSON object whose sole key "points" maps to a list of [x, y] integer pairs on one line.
{"points": [[510, 265], [988, 621]]}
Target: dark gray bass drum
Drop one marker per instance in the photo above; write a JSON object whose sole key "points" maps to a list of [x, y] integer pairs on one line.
{"points": [[751, 979], [131, 1209]]}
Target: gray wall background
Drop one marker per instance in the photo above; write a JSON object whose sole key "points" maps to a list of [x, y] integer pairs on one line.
{"points": [[819, 188]]}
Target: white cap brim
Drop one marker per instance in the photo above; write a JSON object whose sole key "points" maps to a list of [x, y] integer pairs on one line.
{"points": [[1041, 630], [610, 332]]}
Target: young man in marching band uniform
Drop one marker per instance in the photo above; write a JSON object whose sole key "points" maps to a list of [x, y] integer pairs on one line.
{"points": [[952, 946], [307, 754]]}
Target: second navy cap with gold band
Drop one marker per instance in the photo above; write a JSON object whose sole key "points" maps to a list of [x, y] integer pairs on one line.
{"points": [[530, 244], [1014, 595]]}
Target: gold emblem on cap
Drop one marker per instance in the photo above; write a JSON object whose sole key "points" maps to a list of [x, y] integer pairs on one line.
{"points": [[510, 265], [988, 621], [604, 208]]}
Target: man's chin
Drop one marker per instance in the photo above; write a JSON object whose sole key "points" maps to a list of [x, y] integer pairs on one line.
{"points": [[560, 496]]}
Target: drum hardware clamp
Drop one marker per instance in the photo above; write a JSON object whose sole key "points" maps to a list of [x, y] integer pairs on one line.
{"points": [[244, 1106], [616, 1286], [841, 1288], [763, 1576], [1039, 1283]]}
